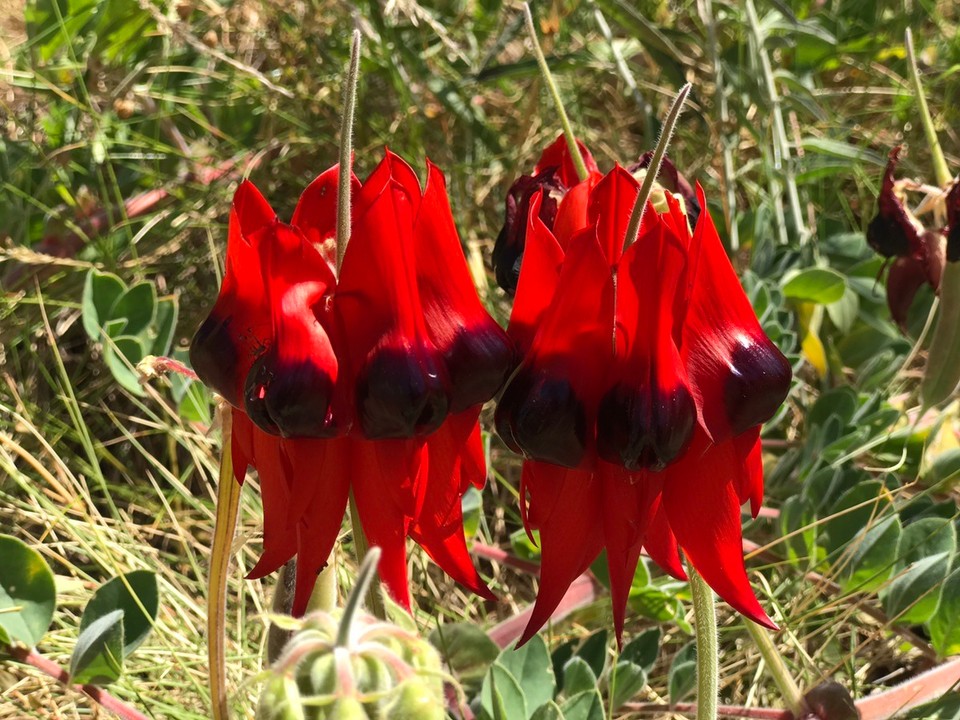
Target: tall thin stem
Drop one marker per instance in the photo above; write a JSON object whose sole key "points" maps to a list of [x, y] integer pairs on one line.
{"points": [[666, 133], [365, 577], [572, 145], [225, 527], [346, 149], [940, 168], [708, 666], [792, 696]]}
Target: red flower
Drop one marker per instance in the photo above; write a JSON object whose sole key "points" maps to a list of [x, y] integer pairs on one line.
{"points": [[645, 379], [553, 176], [371, 383], [895, 233]]}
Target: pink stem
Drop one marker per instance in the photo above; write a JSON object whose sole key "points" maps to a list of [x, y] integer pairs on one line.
{"points": [[98, 695]]}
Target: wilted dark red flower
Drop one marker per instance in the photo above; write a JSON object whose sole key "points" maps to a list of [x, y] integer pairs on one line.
{"points": [[372, 382], [953, 223], [896, 233], [638, 404], [554, 176]]}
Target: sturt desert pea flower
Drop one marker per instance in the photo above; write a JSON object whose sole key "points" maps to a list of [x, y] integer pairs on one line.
{"points": [[918, 253], [638, 404], [371, 382], [554, 176]]}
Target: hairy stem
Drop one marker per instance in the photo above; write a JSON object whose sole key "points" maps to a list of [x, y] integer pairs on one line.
{"points": [[346, 149], [365, 577], [708, 668], [571, 139]]}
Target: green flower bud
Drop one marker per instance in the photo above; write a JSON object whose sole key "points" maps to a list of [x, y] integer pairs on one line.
{"points": [[416, 699], [280, 700]]}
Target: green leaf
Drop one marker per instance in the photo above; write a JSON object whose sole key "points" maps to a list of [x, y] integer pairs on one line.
{"points": [[578, 676], [683, 673], [502, 697], [532, 668], [843, 312], [942, 372], [100, 293], [841, 529], [627, 679], [98, 656], [195, 403], [138, 306], [137, 595], [164, 326], [594, 651], [122, 356], [643, 649], [912, 596], [467, 650], [522, 546], [817, 285], [925, 537], [945, 624], [587, 705], [548, 711], [846, 151], [873, 555], [28, 594]]}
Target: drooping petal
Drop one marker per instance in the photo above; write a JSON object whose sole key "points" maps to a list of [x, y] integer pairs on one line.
{"points": [[894, 231], [629, 502], [233, 335], [661, 544], [320, 472], [906, 276], [571, 535], [557, 155], [241, 443], [400, 380], [382, 476], [747, 446], [450, 471], [279, 518], [700, 497], [538, 279], [290, 389], [572, 215], [477, 352], [647, 413], [609, 209], [739, 376], [547, 410]]}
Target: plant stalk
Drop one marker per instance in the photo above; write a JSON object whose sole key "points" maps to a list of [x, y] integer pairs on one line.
{"points": [[571, 139], [225, 527], [666, 134], [361, 549], [345, 172], [708, 666], [792, 696], [365, 578], [940, 168]]}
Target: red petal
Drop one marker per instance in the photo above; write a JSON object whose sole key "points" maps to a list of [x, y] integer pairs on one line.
{"points": [[320, 472], [572, 214], [539, 275], [233, 335], [383, 475], [953, 222], [661, 544], [477, 352], [700, 497], [610, 206], [241, 444], [571, 536], [894, 231], [629, 501], [316, 212], [739, 376], [904, 280], [279, 528], [748, 447], [557, 155]]}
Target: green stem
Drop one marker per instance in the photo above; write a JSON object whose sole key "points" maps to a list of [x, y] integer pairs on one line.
{"points": [[792, 696], [572, 145], [346, 149], [940, 168], [666, 133], [365, 576], [705, 624], [361, 549]]}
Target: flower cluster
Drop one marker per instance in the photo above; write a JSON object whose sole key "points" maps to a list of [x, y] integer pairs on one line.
{"points": [[638, 404], [920, 252], [369, 381]]}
